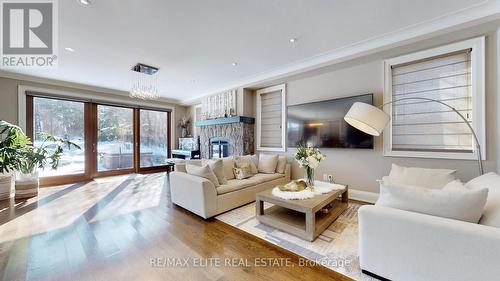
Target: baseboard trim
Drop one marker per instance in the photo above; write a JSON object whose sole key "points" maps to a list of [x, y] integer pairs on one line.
{"points": [[364, 196]]}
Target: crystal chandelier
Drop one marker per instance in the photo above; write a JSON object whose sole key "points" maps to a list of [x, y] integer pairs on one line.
{"points": [[145, 85]]}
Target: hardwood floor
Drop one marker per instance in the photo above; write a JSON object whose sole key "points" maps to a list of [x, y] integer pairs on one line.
{"points": [[126, 228]]}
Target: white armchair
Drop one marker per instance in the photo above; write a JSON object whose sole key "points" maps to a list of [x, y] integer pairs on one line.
{"points": [[402, 245]]}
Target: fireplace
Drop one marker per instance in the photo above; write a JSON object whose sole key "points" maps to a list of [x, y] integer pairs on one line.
{"points": [[231, 136], [219, 147]]}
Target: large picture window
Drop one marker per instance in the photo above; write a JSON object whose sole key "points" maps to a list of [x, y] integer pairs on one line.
{"points": [[153, 138], [65, 119], [114, 139], [453, 74]]}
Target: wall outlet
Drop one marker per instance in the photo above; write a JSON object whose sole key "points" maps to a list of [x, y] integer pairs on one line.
{"points": [[325, 177], [330, 178]]}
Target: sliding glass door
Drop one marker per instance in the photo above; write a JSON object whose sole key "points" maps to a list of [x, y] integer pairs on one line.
{"points": [[65, 119], [154, 136], [114, 139]]}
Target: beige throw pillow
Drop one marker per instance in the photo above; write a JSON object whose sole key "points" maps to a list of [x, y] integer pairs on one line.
{"points": [[243, 171], [252, 160], [217, 167], [428, 178], [204, 172], [280, 168], [228, 164], [453, 201], [491, 212], [268, 163]]}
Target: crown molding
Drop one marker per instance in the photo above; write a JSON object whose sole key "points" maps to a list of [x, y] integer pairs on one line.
{"points": [[477, 14], [77, 86]]}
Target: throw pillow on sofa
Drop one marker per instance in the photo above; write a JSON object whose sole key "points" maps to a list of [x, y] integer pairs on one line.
{"points": [[243, 171], [453, 201], [251, 160], [268, 163], [228, 165], [429, 178], [280, 167], [217, 167], [491, 212], [204, 172]]}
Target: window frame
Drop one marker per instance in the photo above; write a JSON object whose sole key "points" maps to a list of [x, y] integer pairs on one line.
{"points": [[157, 168], [91, 101], [258, 120], [477, 45]]}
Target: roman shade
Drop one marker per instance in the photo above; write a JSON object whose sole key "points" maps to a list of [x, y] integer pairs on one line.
{"points": [[271, 119], [429, 126]]}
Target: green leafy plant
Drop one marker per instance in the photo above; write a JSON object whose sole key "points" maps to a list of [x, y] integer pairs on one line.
{"points": [[13, 140], [18, 153], [50, 150]]}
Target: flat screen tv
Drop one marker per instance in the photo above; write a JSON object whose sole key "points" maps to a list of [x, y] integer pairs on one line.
{"points": [[321, 124]]}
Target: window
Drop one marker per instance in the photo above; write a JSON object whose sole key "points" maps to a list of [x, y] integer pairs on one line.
{"points": [[115, 138], [153, 138], [453, 74], [65, 119], [271, 118]]}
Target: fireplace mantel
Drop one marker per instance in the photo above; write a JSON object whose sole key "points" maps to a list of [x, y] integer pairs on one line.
{"points": [[226, 120], [238, 130]]}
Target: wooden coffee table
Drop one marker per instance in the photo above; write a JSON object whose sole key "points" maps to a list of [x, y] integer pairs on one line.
{"points": [[302, 217]]}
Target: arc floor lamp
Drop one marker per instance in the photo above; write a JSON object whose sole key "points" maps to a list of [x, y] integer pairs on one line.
{"points": [[372, 120]]}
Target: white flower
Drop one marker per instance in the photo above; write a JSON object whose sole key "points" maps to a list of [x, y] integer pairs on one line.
{"points": [[313, 162]]}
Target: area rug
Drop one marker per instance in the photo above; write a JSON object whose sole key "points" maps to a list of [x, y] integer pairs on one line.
{"points": [[336, 248]]}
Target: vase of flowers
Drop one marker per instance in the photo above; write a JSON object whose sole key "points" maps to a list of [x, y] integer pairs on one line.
{"points": [[308, 159]]}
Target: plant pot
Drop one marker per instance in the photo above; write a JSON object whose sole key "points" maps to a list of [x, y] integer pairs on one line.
{"points": [[27, 185], [6, 186]]}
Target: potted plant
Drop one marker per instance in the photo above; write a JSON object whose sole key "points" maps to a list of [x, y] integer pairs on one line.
{"points": [[12, 140], [33, 158], [18, 154]]}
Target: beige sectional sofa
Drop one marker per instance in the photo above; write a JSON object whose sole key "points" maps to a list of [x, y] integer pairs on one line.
{"points": [[200, 196]]}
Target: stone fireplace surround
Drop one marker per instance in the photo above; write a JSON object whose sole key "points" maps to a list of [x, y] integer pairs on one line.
{"points": [[239, 130]]}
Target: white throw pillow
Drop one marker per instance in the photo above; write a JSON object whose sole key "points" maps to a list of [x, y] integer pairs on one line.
{"points": [[252, 160], [204, 172], [454, 201], [280, 167], [491, 212], [217, 167], [268, 163], [428, 178], [228, 164]]}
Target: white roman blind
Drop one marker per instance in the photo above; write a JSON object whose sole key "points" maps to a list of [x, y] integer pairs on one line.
{"points": [[271, 118], [429, 126]]}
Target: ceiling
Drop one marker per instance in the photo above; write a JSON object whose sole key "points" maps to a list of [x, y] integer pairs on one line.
{"points": [[194, 43]]}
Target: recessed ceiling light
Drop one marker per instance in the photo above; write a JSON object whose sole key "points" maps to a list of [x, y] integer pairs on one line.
{"points": [[234, 64], [69, 49], [293, 40], [85, 2]]}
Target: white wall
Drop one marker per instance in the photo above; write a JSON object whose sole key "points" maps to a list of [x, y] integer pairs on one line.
{"points": [[361, 168]]}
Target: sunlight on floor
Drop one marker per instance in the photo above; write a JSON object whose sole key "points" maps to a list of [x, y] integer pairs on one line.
{"points": [[58, 207]]}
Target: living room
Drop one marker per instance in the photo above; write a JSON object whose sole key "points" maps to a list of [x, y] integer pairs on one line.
{"points": [[349, 141]]}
